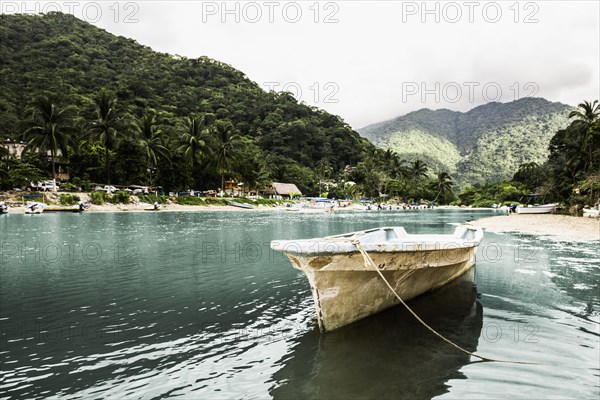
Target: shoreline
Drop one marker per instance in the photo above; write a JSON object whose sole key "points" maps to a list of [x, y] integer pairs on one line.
{"points": [[554, 226]]}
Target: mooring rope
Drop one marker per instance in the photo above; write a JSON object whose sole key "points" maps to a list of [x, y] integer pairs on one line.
{"points": [[369, 262]]}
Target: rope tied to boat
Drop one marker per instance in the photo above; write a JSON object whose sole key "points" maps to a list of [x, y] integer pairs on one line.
{"points": [[369, 263]]}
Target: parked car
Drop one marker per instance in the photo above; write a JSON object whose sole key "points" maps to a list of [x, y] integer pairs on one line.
{"points": [[45, 186], [137, 189], [107, 189]]}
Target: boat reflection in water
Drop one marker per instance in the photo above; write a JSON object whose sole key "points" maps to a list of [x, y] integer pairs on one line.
{"points": [[387, 355]]}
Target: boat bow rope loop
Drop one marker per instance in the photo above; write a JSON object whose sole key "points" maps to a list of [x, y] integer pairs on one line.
{"points": [[369, 263]]}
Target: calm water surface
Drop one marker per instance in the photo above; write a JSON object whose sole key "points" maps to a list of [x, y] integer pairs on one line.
{"points": [[195, 305]]}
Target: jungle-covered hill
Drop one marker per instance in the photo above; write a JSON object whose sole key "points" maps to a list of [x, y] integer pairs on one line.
{"points": [[485, 144], [70, 61]]}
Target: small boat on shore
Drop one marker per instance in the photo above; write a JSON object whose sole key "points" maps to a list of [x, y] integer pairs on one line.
{"points": [[591, 212], [63, 209], [240, 205], [345, 289], [34, 207], [531, 207]]}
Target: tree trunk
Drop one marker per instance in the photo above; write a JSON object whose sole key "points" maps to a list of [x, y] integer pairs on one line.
{"points": [[53, 170], [107, 166]]}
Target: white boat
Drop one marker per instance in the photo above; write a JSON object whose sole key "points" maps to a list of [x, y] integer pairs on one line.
{"points": [[531, 207], [34, 207], [591, 212], [344, 287], [240, 205], [537, 209]]}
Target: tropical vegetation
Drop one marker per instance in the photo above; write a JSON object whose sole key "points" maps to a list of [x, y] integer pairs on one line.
{"points": [[117, 113]]}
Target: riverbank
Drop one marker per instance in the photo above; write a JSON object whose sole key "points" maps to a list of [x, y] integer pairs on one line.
{"points": [[561, 227]]}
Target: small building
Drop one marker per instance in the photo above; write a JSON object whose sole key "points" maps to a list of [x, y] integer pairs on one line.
{"points": [[16, 150], [277, 190]]}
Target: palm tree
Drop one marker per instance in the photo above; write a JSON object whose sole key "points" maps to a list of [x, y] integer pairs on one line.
{"points": [[400, 170], [586, 129], [226, 141], [105, 128], [418, 170], [48, 131], [151, 139], [192, 143], [443, 184]]}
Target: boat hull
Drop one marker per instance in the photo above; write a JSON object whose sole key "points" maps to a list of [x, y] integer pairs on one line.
{"points": [[240, 205], [345, 290], [543, 209]]}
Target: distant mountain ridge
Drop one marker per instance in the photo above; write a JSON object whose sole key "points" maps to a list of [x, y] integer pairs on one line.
{"points": [[484, 144]]}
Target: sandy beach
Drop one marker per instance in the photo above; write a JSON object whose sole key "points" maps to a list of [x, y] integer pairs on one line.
{"points": [[141, 207], [560, 227]]}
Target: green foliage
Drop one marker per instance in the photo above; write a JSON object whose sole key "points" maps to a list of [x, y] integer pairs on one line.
{"points": [[68, 187], [69, 199], [215, 201], [18, 173], [121, 197], [574, 161], [486, 144], [129, 106], [491, 193], [436, 151], [152, 198], [98, 198], [191, 201], [82, 184]]}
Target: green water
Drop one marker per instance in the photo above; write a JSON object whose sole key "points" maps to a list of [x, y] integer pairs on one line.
{"points": [[196, 305]]}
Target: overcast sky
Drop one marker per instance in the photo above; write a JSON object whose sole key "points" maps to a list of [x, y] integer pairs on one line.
{"points": [[368, 61]]}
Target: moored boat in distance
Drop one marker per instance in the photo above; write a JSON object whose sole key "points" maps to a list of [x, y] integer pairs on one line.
{"points": [[240, 205], [345, 289], [531, 207]]}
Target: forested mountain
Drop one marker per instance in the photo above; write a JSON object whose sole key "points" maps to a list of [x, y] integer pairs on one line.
{"points": [[69, 62], [487, 143]]}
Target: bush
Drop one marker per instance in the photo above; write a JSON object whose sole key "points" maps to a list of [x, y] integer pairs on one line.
{"points": [[68, 187], [190, 201], [483, 203], [98, 198], [121, 197], [69, 199], [84, 184], [151, 198], [213, 201]]}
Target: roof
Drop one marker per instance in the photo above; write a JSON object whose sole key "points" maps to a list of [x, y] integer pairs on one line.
{"points": [[285, 188]]}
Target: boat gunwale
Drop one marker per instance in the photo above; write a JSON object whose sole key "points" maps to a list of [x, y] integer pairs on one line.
{"points": [[406, 243]]}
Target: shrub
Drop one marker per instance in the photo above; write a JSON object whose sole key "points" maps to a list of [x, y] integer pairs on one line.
{"points": [[121, 197], [98, 198], [213, 201], [68, 187], [69, 199], [190, 201], [84, 184], [151, 198]]}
